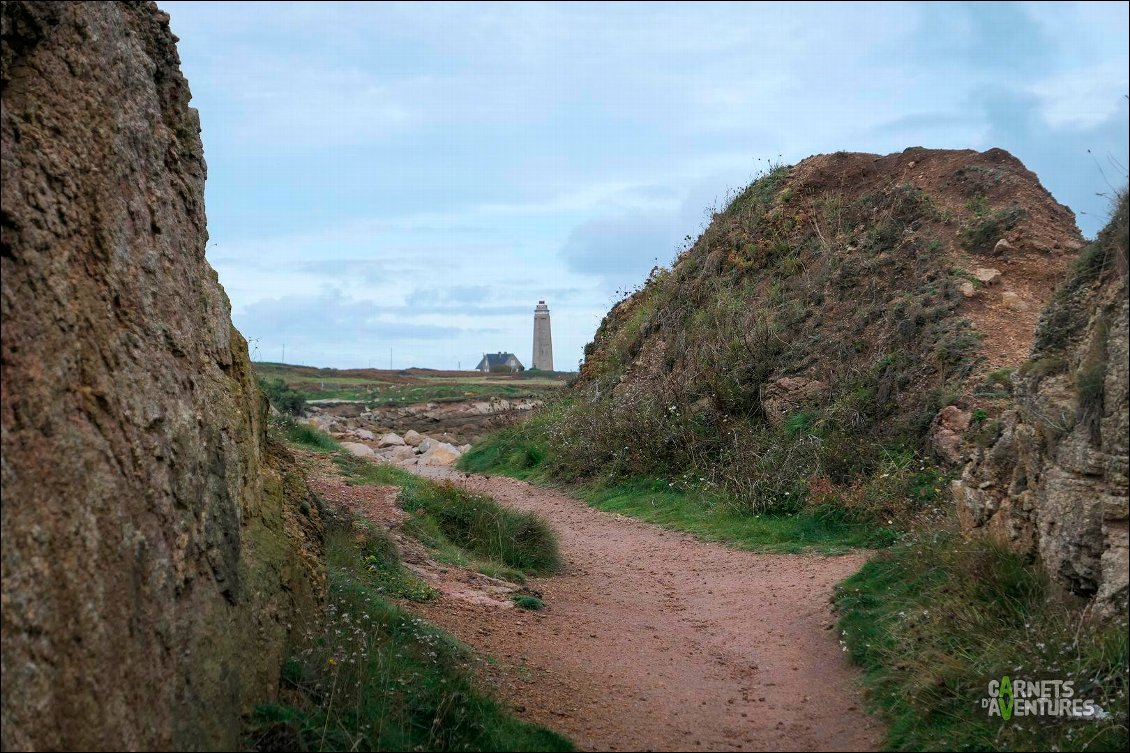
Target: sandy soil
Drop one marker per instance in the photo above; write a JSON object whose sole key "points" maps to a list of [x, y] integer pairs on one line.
{"points": [[653, 640]]}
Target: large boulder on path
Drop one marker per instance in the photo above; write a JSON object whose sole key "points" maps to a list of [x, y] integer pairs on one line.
{"points": [[413, 438]]}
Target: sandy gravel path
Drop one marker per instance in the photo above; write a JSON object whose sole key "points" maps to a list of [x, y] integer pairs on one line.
{"points": [[654, 640]]}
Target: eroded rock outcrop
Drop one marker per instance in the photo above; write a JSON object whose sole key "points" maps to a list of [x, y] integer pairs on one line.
{"points": [[159, 553], [1055, 480]]}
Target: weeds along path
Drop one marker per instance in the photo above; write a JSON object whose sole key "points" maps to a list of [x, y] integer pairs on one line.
{"points": [[654, 640]]}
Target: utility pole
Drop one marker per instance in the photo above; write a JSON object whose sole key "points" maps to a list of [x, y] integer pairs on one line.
{"points": [[390, 359], [284, 353]]}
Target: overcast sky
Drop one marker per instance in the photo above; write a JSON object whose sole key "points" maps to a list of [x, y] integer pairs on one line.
{"points": [[414, 178]]}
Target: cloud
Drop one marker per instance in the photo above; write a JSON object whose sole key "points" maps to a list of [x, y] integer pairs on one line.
{"points": [[622, 248], [429, 171], [333, 316], [1083, 98], [1078, 163]]}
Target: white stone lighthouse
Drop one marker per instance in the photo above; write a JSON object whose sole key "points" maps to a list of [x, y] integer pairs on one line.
{"points": [[543, 339]]}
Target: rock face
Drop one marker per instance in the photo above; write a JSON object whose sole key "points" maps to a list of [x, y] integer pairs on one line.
{"points": [[946, 433], [1055, 481], [786, 394], [159, 553]]}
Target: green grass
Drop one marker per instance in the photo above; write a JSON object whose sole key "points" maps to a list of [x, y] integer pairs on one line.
{"points": [[709, 516], [382, 562], [933, 619], [823, 530], [379, 389], [464, 529], [305, 436], [480, 525], [378, 678], [525, 601], [504, 454], [358, 471]]}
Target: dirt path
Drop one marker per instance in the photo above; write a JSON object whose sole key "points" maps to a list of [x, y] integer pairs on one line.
{"points": [[653, 640]]}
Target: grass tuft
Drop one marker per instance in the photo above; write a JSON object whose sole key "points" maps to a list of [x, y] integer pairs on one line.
{"points": [[480, 525], [462, 529], [304, 435], [525, 601]]}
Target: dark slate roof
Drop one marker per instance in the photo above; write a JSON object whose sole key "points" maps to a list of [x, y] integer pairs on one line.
{"points": [[497, 359]]}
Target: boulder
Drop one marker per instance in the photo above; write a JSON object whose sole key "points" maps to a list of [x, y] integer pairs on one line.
{"points": [[412, 438], [968, 289], [364, 434], [1003, 247], [987, 275], [440, 453], [1013, 301], [358, 449], [403, 452], [328, 424], [785, 395], [390, 440]]}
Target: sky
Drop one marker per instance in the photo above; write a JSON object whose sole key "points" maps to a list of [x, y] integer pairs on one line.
{"points": [[400, 184]]}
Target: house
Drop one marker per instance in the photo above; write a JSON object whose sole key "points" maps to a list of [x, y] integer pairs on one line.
{"points": [[497, 361]]}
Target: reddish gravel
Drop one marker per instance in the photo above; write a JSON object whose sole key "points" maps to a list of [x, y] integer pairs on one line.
{"points": [[653, 640]]}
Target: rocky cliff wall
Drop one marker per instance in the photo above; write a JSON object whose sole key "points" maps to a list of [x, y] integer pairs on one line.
{"points": [[159, 554], [1054, 482]]}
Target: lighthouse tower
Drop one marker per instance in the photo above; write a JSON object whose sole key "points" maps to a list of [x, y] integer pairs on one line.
{"points": [[543, 340]]}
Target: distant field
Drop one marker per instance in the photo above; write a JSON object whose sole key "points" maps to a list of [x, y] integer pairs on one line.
{"points": [[379, 387]]}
